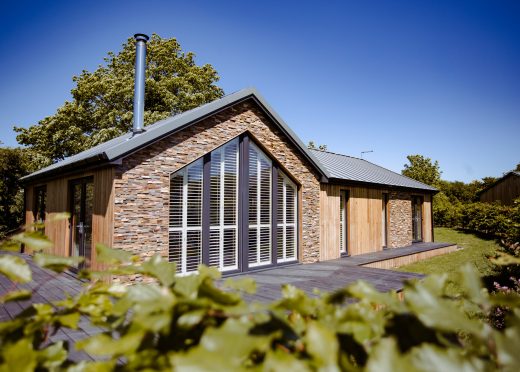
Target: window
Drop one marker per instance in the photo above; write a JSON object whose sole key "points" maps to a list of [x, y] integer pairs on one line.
{"points": [[259, 207], [223, 245], [221, 211], [40, 201], [343, 222], [384, 219], [185, 245], [286, 216]]}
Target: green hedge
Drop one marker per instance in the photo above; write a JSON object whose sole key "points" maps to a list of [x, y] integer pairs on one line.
{"points": [[198, 323], [490, 219]]}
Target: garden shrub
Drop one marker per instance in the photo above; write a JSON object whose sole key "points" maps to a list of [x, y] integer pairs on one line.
{"points": [[200, 322]]}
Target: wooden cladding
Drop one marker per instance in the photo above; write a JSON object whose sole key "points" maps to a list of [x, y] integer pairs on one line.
{"points": [[504, 191], [364, 219], [58, 201]]}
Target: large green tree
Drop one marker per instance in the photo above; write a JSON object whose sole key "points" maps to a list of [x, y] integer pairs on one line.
{"points": [[422, 169], [102, 101]]}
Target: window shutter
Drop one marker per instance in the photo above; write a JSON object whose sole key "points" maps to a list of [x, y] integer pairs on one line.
{"points": [[185, 228], [259, 249], [286, 228], [223, 245]]}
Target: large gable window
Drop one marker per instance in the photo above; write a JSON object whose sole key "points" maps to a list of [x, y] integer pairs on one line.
{"points": [[232, 209]]}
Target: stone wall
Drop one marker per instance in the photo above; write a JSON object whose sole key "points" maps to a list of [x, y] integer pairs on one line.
{"points": [[142, 180], [400, 226]]}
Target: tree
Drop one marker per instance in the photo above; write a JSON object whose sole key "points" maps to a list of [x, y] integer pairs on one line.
{"points": [[102, 101], [517, 167], [311, 145], [422, 169], [14, 164]]}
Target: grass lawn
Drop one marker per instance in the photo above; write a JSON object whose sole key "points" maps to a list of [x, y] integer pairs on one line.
{"points": [[474, 251]]}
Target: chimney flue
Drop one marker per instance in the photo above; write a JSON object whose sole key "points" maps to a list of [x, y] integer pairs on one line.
{"points": [[140, 72]]}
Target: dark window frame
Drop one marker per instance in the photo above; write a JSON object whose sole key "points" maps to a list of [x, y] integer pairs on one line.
{"points": [[244, 141]]}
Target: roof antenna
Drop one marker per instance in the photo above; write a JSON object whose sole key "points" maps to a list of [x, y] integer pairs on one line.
{"points": [[365, 152]]}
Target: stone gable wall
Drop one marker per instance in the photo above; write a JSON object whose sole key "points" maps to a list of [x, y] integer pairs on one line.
{"points": [[400, 227], [142, 180]]}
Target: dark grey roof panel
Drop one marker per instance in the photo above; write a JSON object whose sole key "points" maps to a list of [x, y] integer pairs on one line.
{"points": [[347, 168], [127, 143]]}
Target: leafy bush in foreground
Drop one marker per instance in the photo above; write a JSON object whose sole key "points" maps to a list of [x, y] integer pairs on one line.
{"points": [[199, 322]]}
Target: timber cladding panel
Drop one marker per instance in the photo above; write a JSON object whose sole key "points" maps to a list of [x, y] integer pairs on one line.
{"points": [[365, 218], [141, 208], [504, 191], [58, 201]]}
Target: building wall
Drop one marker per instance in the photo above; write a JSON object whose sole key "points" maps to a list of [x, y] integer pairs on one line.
{"points": [[57, 228], [504, 192], [141, 203], [400, 216], [365, 219]]}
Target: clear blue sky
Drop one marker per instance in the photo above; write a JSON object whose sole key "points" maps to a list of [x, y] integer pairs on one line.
{"points": [[438, 78]]}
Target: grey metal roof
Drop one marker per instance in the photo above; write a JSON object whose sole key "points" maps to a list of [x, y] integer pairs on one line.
{"points": [[347, 168], [128, 143]]}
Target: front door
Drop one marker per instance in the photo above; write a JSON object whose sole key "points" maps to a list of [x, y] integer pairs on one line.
{"points": [[82, 196], [417, 204]]}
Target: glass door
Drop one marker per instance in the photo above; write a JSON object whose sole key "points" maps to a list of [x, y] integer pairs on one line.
{"points": [[417, 204], [384, 220], [82, 196]]}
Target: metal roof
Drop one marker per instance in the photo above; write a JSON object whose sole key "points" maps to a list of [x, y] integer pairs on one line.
{"points": [[128, 143], [348, 168]]}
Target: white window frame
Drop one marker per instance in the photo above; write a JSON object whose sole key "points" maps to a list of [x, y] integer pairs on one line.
{"points": [[184, 228], [258, 226], [343, 222], [221, 227], [284, 224]]}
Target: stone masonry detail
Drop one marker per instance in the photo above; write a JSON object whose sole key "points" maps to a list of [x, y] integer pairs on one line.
{"points": [[400, 226], [141, 187]]}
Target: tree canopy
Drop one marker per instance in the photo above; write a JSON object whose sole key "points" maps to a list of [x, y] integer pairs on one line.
{"points": [[422, 169], [102, 101]]}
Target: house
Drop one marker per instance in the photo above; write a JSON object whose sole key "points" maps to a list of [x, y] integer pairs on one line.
{"points": [[227, 184], [504, 190]]}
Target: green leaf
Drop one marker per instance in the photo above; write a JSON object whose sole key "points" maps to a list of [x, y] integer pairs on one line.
{"points": [[68, 320], [20, 295], [385, 356], [20, 356], [160, 269], [56, 263], [52, 356], [102, 344], [322, 345], [434, 358], [227, 348], [34, 240], [112, 256], [15, 268]]}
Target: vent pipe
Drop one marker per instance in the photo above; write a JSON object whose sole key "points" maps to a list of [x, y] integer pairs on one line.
{"points": [[140, 72]]}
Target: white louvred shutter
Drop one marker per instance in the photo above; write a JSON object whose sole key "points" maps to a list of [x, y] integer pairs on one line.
{"points": [[223, 245], [185, 228], [259, 248], [286, 214]]}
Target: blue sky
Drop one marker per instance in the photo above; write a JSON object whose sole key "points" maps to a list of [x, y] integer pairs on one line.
{"points": [[438, 78]]}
